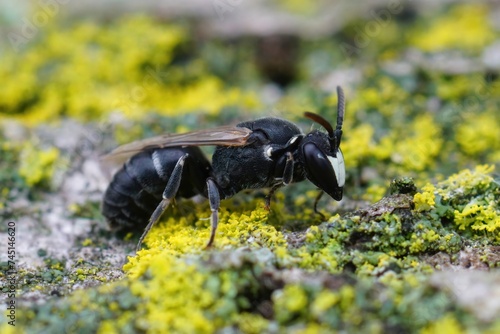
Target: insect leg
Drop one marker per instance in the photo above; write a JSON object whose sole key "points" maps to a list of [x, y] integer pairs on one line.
{"points": [[168, 195], [214, 199], [316, 204], [286, 179], [288, 172], [270, 195]]}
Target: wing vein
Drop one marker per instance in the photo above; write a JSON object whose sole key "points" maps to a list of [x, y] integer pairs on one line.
{"points": [[220, 136]]}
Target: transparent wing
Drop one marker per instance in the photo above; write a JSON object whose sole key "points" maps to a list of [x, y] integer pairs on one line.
{"points": [[223, 136]]}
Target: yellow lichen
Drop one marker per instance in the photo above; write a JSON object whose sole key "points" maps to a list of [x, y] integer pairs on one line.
{"points": [[479, 217], [466, 180], [462, 86], [175, 304], [386, 97], [107, 327], [324, 301], [250, 323], [477, 214], [38, 166], [6, 328], [479, 135], [187, 291], [290, 300], [86, 72], [347, 295], [447, 324], [299, 6], [465, 27], [416, 147], [358, 144], [87, 242], [374, 193], [425, 200]]}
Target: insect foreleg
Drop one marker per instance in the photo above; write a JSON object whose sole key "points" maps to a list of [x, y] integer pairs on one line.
{"points": [[316, 204], [288, 171], [287, 178], [168, 195], [214, 199]]}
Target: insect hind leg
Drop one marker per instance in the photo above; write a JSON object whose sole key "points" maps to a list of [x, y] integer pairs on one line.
{"points": [[168, 196], [214, 199]]}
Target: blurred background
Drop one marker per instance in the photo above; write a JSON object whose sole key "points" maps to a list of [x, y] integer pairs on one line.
{"points": [[81, 77]]}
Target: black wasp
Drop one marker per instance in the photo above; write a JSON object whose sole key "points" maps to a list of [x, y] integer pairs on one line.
{"points": [[265, 153]]}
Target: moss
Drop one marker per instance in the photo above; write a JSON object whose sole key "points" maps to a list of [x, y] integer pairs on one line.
{"points": [[404, 185]]}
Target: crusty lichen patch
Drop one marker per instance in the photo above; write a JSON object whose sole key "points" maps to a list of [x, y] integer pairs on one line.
{"points": [[87, 71], [469, 199], [365, 271]]}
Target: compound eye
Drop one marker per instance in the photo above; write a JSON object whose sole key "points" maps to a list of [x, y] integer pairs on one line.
{"points": [[326, 172]]}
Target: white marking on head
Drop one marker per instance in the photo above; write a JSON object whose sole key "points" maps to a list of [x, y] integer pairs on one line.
{"points": [[158, 166], [338, 167]]}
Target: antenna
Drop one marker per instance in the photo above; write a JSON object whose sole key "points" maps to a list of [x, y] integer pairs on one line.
{"points": [[321, 121], [334, 135], [340, 114]]}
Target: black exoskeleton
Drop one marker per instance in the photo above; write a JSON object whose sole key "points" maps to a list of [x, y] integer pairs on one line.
{"points": [[265, 153]]}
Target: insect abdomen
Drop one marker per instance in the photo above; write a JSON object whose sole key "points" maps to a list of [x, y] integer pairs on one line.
{"points": [[126, 203], [137, 187]]}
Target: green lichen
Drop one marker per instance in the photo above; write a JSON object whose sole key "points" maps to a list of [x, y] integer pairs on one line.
{"points": [[361, 272], [232, 288], [469, 199]]}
